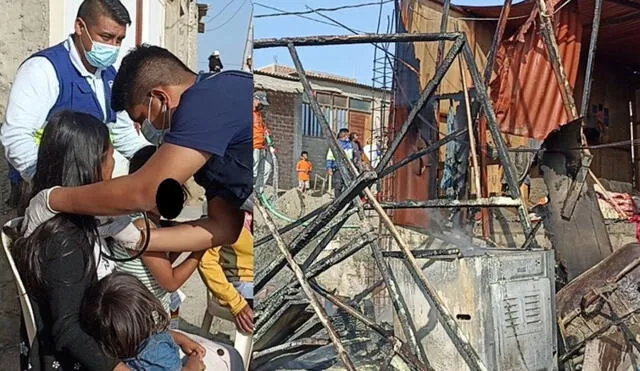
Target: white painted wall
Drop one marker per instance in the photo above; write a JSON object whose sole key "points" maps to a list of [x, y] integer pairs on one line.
{"points": [[63, 15]]}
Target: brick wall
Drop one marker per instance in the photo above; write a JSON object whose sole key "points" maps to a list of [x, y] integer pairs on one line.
{"points": [[280, 117]]}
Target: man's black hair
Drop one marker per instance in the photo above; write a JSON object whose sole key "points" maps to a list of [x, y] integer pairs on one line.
{"points": [[341, 131], [143, 69], [91, 10], [304, 153]]}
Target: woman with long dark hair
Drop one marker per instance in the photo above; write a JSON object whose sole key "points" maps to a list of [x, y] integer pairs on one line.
{"points": [[61, 257]]}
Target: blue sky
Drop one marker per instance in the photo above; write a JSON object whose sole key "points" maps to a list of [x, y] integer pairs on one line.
{"points": [[354, 61], [226, 26]]}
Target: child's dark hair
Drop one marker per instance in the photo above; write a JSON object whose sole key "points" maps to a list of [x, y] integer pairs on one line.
{"points": [[167, 198], [71, 154], [121, 313], [304, 153]]}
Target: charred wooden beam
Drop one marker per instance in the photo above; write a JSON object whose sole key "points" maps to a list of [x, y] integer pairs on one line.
{"points": [[424, 254], [302, 343], [398, 302], [353, 39], [576, 187], [416, 155], [549, 38], [398, 347], [335, 147], [353, 190], [293, 225], [444, 203], [501, 147], [497, 39], [593, 43], [341, 254], [443, 28], [531, 236], [427, 93], [308, 291], [482, 127], [333, 231]]}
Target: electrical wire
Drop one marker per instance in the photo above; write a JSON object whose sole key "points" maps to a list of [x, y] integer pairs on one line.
{"points": [[323, 9], [228, 20], [301, 16], [219, 13]]}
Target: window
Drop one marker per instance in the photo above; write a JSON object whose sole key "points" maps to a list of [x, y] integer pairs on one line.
{"points": [[359, 104], [334, 108], [324, 99], [340, 101]]}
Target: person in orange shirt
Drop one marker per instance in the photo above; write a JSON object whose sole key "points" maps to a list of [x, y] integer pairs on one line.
{"points": [[261, 160], [304, 168]]}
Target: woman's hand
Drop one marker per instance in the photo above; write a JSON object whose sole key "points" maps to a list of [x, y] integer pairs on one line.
{"points": [[244, 320]]}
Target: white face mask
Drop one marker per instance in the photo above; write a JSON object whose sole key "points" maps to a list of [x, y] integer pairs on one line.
{"points": [[101, 55], [151, 134]]}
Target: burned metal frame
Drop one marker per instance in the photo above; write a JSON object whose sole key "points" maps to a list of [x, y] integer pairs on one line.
{"points": [[358, 183]]}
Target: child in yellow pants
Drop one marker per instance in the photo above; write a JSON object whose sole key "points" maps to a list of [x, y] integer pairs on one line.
{"points": [[227, 271]]}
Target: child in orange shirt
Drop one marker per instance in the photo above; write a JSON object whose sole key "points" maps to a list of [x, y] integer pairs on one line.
{"points": [[304, 168]]}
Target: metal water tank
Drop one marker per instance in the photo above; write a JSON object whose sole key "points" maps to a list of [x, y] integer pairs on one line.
{"points": [[503, 301]]}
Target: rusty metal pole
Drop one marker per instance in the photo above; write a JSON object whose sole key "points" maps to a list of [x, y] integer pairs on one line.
{"points": [[482, 123], [313, 300]]}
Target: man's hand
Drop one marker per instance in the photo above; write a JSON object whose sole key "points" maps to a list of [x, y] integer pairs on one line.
{"points": [[244, 320], [329, 172], [194, 363]]}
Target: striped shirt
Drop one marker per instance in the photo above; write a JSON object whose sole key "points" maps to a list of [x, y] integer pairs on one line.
{"points": [[139, 270]]}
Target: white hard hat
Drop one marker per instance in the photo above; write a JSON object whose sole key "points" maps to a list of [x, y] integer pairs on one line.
{"points": [[216, 53]]}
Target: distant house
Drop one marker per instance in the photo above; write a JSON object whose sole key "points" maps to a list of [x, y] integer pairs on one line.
{"points": [[345, 102]]}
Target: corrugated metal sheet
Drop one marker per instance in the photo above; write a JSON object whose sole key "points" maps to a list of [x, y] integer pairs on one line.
{"points": [[415, 181], [525, 92]]}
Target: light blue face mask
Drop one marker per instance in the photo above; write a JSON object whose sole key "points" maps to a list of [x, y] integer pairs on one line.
{"points": [[101, 55], [150, 133]]}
